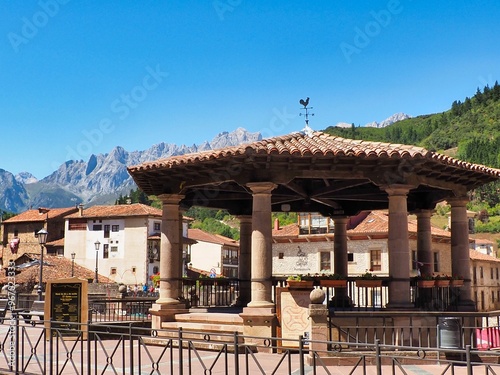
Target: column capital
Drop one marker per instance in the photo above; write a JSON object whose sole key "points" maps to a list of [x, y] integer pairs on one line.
{"points": [[423, 212], [171, 198], [244, 218], [458, 201], [265, 187], [397, 189]]}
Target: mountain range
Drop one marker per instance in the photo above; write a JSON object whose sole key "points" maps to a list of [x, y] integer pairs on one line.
{"points": [[100, 179], [374, 124]]}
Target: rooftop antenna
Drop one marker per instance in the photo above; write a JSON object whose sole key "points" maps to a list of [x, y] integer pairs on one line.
{"points": [[307, 129]]}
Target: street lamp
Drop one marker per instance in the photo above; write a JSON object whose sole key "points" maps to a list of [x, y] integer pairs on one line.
{"points": [[96, 244], [73, 255], [42, 240]]}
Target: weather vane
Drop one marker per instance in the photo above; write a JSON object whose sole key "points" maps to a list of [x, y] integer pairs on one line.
{"points": [[308, 130]]}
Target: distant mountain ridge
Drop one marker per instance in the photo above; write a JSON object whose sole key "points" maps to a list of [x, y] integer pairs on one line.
{"points": [[400, 116], [100, 179]]}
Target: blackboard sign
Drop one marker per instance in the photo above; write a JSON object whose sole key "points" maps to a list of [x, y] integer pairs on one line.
{"points": [[67, 306]]}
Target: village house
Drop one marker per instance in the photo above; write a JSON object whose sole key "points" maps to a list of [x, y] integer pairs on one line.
{"points": [[307, 248], [214, 253], [122, 242]]}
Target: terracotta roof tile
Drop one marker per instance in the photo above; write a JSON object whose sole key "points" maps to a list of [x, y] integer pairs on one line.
{"points": [[200, 235], [41, 214], [320, 144], [55, 267], [477, 255], [121, 210]]}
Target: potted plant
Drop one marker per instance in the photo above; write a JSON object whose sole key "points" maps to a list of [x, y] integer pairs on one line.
{"points": [[300, 282], [333, 280], [368, 280], [442, 280], [426, 281]]}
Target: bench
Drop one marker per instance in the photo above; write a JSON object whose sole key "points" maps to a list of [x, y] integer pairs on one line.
{"points": [[37, 309], [4, 305]]}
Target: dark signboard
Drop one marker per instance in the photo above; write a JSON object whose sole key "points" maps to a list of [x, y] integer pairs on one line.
{"points": [[66, 306]]}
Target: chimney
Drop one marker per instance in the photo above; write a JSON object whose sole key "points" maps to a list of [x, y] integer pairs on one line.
{"points": [[276, 224], [80, 208]]}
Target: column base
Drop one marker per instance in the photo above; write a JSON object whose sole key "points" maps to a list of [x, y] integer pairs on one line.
{"points": [[259, 322], [161, 312]]}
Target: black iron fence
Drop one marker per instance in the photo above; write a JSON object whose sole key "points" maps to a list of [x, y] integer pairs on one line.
{"points": [[81, 349]]}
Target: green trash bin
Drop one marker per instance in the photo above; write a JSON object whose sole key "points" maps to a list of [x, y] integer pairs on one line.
{"points": [[449, 333]]}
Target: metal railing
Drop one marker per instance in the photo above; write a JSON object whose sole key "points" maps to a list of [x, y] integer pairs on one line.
{"points": [[79, 349]]}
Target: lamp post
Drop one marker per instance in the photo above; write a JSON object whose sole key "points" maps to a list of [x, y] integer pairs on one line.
{"points": [[42, 240], [73, 255], [96, 277]]}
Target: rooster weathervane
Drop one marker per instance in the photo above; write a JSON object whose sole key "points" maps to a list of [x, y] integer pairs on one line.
{"points": [[307, 129]]}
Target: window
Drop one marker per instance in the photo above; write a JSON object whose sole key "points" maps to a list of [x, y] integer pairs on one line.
{"points": [[474, 276], [497, 273], [281, 255], [113, 271], [133, 269], [325, 263], [115, 228], [482, 300], [157, 226], [106, 231], [376, 260], [350, 257], [491, 273], [114, 249], [77, 224], [97, 227], [481, 272], [435, 257], [105, 251]]}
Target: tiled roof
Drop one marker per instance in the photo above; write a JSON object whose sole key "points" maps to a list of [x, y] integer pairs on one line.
{"points": [[54, 267], [41, 214], [121, 210], [319, 144], [377, 222], [200, 235], [477, 255]]}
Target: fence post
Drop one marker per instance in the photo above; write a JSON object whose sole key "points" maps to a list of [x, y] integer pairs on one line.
{"points": [[468, 357], [301, 355], [181, 364], [236, 353], [377, 357], [131, 342]]}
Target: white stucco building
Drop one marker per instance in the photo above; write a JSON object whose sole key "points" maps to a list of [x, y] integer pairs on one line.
{"points": [[128, 237]]}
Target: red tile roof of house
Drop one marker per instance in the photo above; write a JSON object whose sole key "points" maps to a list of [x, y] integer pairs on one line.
{"points": [[200, 235], [477, 255], [54, 267], [41, 214], [121, 210], [376, 222]]}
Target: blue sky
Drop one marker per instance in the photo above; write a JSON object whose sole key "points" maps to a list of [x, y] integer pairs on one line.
{"points": [[81, 77]]}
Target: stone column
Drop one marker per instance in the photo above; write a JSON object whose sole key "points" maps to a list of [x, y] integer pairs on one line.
{"points": [[424, 242], [399, 248], [168, 303], [245, 260], [318, 316], [340, 299], [460, 255], [259, 317]]}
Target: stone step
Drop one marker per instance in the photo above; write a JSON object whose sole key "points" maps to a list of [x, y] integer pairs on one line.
{"points": [[210, 318]]}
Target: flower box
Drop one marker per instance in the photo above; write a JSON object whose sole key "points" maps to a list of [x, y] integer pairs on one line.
{"points": [[442, 283], [456, 283], [426, 283], [333, 283], [300, 284], [367, 283]]}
